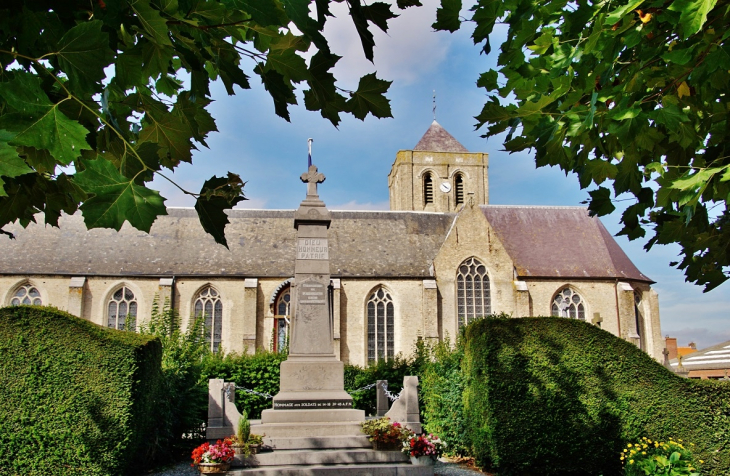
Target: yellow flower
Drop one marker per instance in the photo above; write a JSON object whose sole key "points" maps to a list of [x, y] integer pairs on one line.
{"points": [[631, 461], [702, 462], [644, 453], [629, 445]]}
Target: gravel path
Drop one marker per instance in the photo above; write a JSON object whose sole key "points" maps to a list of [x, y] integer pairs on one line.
{"points": [[442, 468]]}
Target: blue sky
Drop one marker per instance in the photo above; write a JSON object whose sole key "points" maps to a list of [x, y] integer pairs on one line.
{"points": [[270, 154]]}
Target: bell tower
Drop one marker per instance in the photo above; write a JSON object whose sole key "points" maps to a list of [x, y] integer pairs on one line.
{"points": [[438, 175]]}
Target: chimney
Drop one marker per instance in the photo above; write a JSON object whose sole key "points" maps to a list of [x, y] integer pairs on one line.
{"points": [[671, 344]]}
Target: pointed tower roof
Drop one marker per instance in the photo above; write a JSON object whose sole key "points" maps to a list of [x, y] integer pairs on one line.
{"points": [[436, 139]]}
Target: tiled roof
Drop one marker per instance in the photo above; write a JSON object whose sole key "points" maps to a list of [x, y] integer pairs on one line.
{"points": [[559, 242], [436, 139], [715, 357]]}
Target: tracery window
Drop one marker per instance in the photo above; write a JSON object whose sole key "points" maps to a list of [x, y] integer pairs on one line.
{"points": [[459, 189], [26, 294], [427, 189], [568, 303], [209, 306], [282, 318], [122, 310], [381, 321], [473, 298]]}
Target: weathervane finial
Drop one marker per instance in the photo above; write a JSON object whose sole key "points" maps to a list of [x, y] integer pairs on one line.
{"points": [[434, 104]]}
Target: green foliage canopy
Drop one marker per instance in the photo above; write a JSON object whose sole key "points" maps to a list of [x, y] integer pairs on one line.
{"points": [[119, 90], [628, 93]]}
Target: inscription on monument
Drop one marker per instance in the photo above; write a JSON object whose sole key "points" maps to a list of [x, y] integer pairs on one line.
{"points": [[313, 248], [311, 404], [312, 293]]}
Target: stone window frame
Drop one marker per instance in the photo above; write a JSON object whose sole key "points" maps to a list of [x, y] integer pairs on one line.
{"points": [[379, 345], [216, 317], [26, 283], [114, 299], [280, 336], [565, 312], [479, 307]]}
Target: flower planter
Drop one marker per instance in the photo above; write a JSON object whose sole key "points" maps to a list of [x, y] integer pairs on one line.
{"points": [[422, 461], [239, 449], [254, 449], [213, 468]]}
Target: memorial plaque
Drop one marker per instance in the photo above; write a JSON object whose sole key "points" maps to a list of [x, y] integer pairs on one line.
{"points": [[311, 404], [313, 248], [312, 293]]}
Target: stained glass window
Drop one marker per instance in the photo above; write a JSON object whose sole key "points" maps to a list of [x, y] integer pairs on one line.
{"points": [[122, 310], [381, 324], [568, 303], [26, 294], [473, 298], [209, 306]]}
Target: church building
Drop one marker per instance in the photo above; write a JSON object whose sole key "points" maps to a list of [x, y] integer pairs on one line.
{"points": [[441, 257]]}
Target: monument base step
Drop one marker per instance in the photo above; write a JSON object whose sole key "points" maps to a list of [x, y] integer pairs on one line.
{"points": [[275, 430], [321, 457], [318, 442], [401, 469]]}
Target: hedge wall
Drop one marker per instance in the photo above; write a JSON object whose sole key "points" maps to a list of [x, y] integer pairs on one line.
{"points": [[559, 396], [75, 398]]}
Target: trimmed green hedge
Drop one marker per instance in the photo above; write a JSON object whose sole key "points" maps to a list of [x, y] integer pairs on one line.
{"points": [[554, 396], [75, 398]]}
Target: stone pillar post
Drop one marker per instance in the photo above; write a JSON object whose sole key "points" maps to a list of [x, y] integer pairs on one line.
{"points": [[626, 312], [164, 292], [250, 337], [76, 296], [522, 299], [382, 404], [430, 310]]}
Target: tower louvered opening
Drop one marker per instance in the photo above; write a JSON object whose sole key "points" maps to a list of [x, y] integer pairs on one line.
{"points": [[427, 189]]}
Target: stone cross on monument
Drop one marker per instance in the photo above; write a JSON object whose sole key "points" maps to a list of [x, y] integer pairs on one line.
{"points": [[312, 393], [312, 178]]}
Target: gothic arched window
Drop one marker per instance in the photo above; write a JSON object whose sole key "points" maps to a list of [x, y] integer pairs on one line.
{"points": [[122, 310], [26, 294], [209, 306], [381, 321], [473, 298], [459, 189], [427, 189], [568, 303], [282, 317]]}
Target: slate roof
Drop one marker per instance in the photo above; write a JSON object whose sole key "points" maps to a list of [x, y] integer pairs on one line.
{"points": [[262, 243], [555, 242], [543, 242], [436, 139], [715, 357]]}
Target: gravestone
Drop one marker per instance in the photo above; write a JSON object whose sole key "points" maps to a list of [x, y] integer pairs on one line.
{"points": [[312, 382]]}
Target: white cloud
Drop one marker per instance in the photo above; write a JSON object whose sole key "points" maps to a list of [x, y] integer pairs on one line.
{"points": [[410, 49], [252, 204], [369, 206]]}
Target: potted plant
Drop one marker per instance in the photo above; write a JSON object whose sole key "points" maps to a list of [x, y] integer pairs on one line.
{"points": [[240, 439], [384, 435], [212, 459], [254, 443], [423, 449]]}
